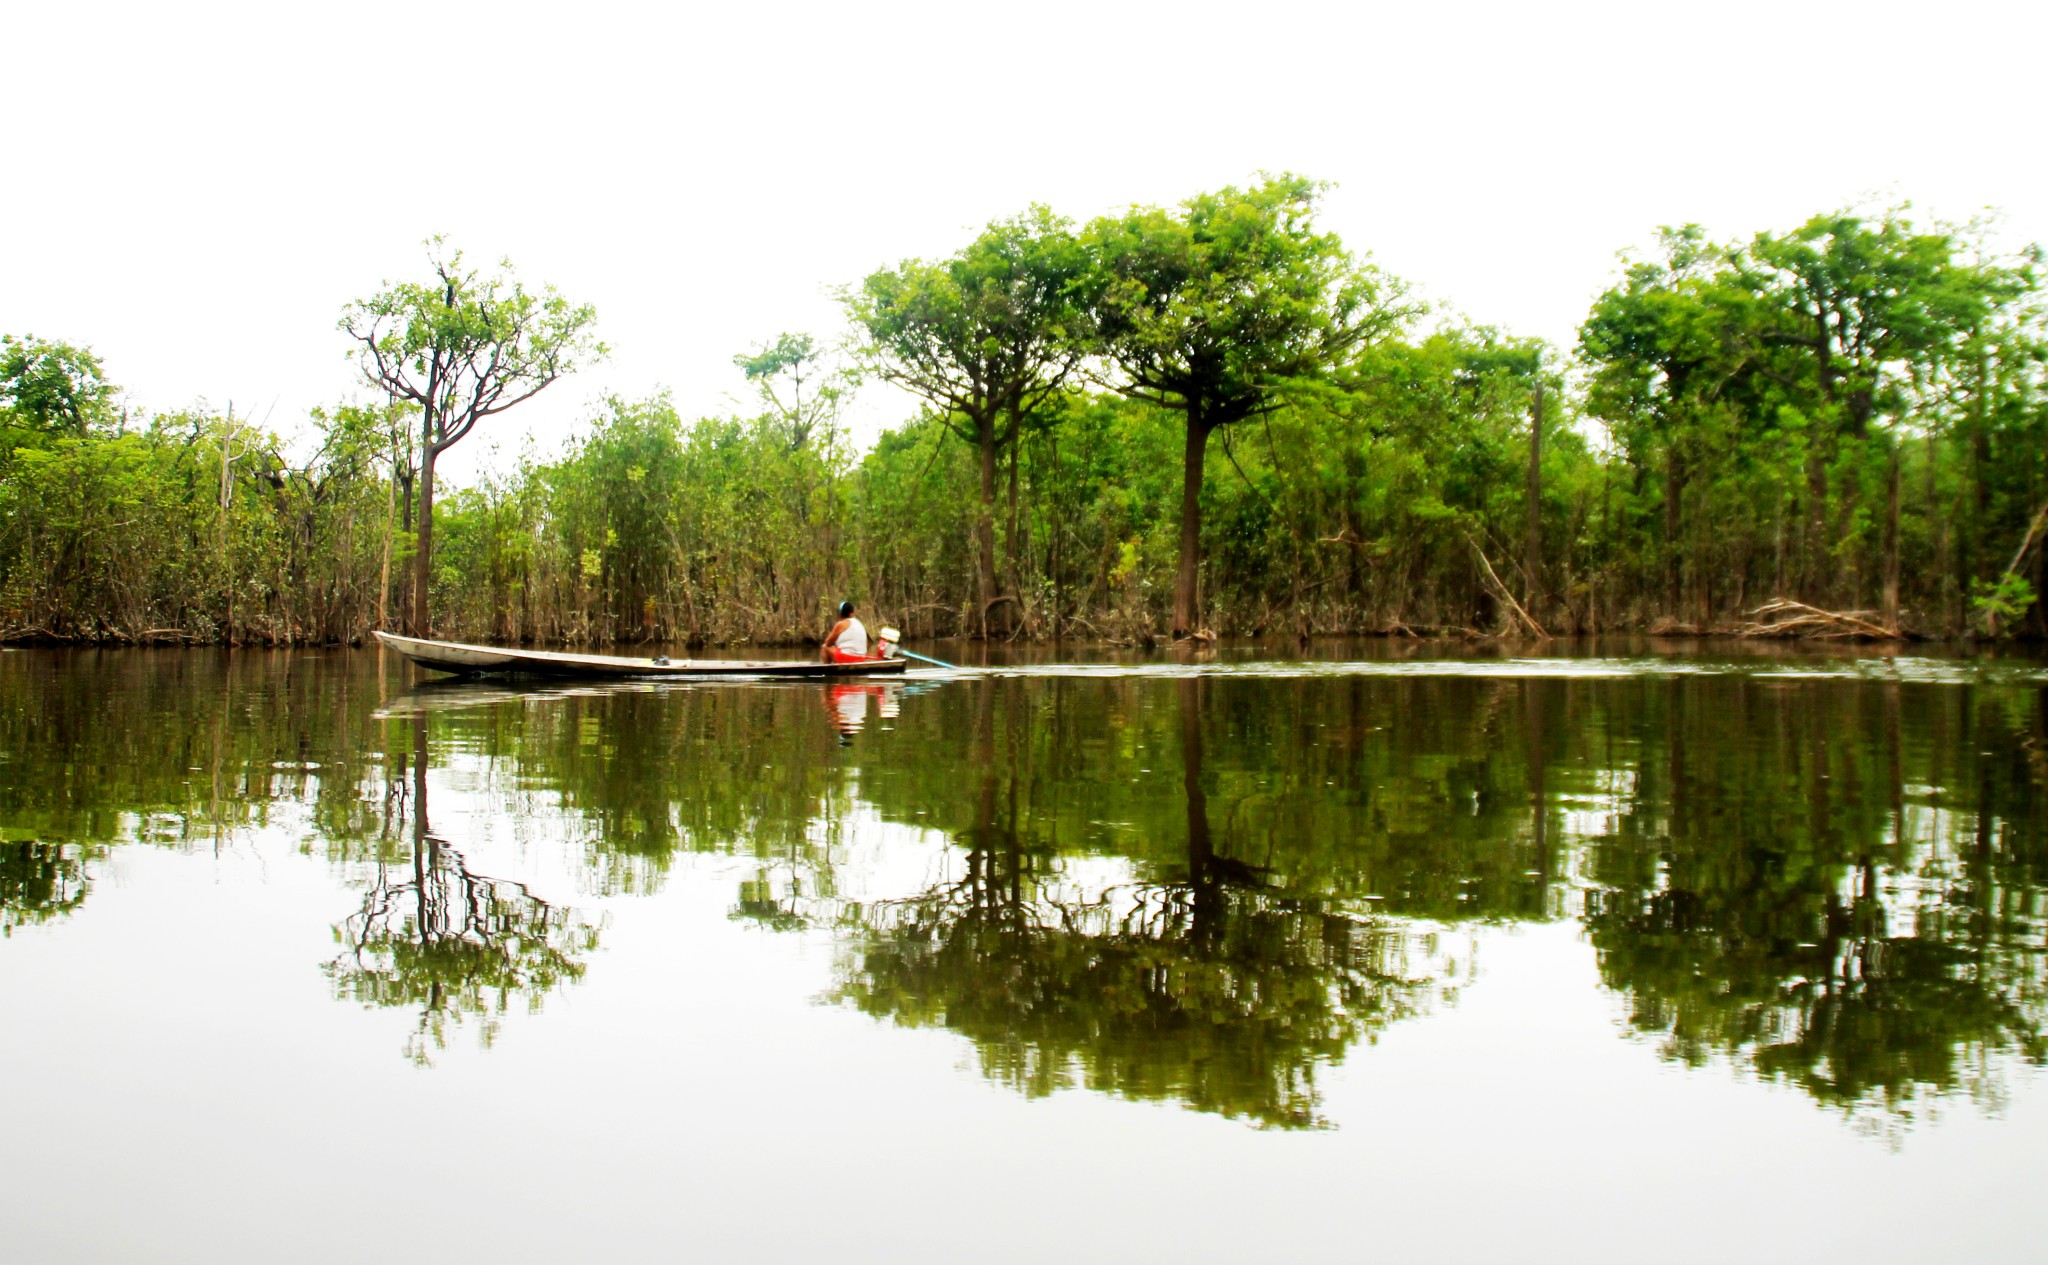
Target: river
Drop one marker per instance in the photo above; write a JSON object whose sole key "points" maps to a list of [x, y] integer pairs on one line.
{"points": [[1702, 952]]}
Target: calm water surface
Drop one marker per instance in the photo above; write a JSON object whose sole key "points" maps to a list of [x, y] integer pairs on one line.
{"points": [[1599, 955]]}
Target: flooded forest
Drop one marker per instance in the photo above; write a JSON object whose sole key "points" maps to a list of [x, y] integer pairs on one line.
{"points": [[1213, 419]]}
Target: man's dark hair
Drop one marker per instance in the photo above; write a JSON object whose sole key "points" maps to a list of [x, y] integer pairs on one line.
{"points": [[845, 609]]}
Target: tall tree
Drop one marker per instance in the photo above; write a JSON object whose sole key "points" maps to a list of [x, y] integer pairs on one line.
{"points": [[1667, 344], [1216, 308], [803, 391], [782, 369], [1855, 309], [464, 347], [989, 337]]}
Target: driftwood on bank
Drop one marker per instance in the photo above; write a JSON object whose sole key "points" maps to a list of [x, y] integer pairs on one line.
{"points": [[1787, 618], [1430, 632]]}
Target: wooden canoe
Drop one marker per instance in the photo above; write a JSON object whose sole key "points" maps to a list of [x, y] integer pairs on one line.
{"points": [[454, 656]]}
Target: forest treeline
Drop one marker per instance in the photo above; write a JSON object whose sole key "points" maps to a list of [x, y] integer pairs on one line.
{"points": [[1210, 418]]}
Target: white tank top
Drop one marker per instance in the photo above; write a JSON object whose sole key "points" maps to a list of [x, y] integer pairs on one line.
{"points": [[853, 639]]}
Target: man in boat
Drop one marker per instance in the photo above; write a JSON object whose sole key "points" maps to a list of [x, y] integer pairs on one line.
{"points": [[848, 640]]}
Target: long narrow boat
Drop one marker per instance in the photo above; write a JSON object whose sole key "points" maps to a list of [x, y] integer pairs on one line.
{"points": [[454, 656]]}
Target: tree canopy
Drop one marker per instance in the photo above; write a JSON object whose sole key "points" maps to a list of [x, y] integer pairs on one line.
{"points": [[1218, 308], [51, 387], [988, 337], [465, 346]]}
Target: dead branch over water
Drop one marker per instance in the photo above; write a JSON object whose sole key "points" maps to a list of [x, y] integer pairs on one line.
{"points": [[1789, 619]]}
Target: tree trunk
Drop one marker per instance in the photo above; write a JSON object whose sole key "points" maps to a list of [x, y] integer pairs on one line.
{"points": [[1962, 522], [1813, 586], [1532, 561], [1778, 547], [1703, 564], [1595, 574], [1674, 492], [417, 624], [985, 527], [1858, 557], [227, 488], [431, 429], [1891, 545], [1014, 544], [1052, 545], [1354, 534], [402, 597], [1187, 608], [390, 524], [1938, 524], [1980, 438]]}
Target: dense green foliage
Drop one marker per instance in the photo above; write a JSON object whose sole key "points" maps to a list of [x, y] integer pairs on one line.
{"points": [[194, 527], [987, 339], [1852, 413], [1807, 414], [1227, 311]]}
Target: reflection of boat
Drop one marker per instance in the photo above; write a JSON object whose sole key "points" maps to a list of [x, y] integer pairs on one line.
{"points": [[451, 656], [847, 705]]}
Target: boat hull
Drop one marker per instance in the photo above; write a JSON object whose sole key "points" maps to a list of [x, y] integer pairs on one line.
{"points": [[468, 660]]}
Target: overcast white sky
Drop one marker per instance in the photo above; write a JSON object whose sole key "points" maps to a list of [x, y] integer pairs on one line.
{"points": [[195, 190]]}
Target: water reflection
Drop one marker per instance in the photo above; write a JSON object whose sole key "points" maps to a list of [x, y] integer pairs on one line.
{"points": [[1193, 888], [1213, 985], [846, 705], [40, 882], [457, 945], [1819, 909]]}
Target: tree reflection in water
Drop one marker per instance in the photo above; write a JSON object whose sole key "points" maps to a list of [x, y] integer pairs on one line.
{"points": [[1824, 992], [458, 945], [1215, 987], [1839, 884], [1791, 915], [40, 882]]}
